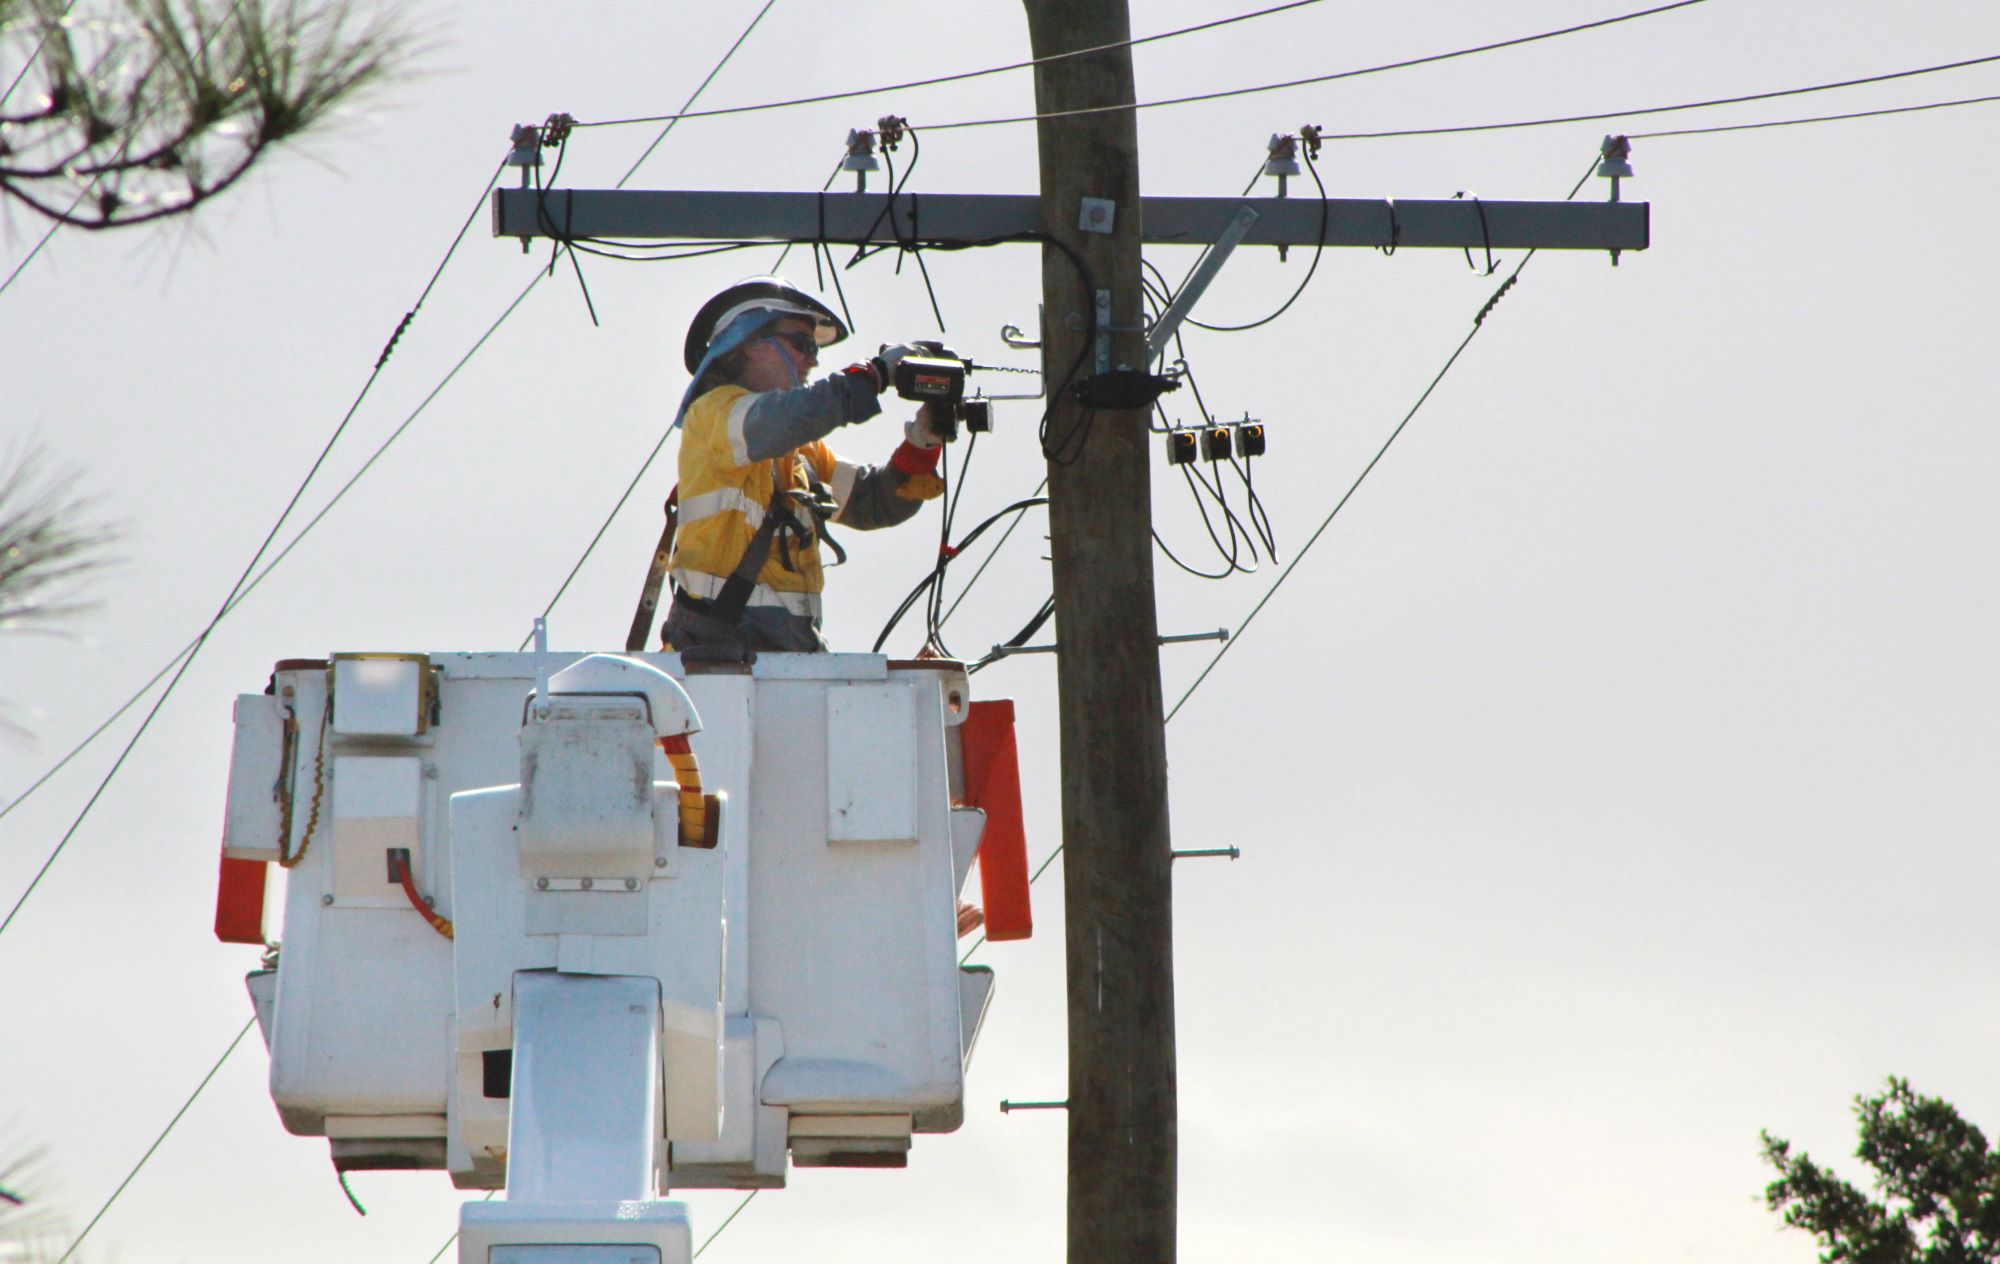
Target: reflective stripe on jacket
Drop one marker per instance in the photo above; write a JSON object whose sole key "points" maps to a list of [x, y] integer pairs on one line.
{"points": [[724, 496]]}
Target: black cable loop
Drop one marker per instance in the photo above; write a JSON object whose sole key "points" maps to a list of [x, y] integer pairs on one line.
{"points": [[1485, 237], [1260, 519], [1175, 559], [1018, 507], [1319, 249], [1237, 531], [1395, 231]]}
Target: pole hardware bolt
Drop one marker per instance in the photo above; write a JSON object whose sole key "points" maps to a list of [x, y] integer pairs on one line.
{"points": [[631, 884], [326, 901], [541, 884]]}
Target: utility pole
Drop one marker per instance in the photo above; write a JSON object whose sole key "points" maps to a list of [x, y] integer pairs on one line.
{"points": [[1117, 861]]}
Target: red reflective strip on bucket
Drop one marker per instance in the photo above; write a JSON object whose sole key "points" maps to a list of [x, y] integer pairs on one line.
{"points": [[993, 784], [239, 902]]}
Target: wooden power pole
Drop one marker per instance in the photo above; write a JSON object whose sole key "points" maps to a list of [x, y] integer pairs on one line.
{"points": [[1117, 857]]}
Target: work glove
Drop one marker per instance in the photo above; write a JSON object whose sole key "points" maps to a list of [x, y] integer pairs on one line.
{"points": [[888, 358], [925, 433]]}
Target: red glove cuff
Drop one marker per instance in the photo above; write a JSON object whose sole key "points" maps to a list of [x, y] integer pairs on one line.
{"points": [[868, 370], [913, 460]]}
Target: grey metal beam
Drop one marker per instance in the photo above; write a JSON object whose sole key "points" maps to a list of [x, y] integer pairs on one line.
{"points": [[855, 218]]}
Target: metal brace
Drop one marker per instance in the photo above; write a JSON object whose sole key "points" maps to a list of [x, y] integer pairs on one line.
{"points": [[1220, 634], [1197, 281]]}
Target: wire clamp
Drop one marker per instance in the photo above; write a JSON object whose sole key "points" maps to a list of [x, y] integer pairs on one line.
{"points": [[1123, 389]]}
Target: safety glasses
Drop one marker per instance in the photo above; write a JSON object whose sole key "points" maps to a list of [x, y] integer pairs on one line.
{"points": [[800, 341]]}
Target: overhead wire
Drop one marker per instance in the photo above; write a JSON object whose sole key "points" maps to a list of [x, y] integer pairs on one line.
{"points": [[242, 589], [1330, 77], [157, 1141], [54, 226], [1711, 103], [324, 510], [33, 57], [638, 476], [958, 77], [1478, 323], [1817, 118], [245, 588], [187, 657]]}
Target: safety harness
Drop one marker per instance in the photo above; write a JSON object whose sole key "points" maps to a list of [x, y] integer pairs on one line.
{"points": [[781, 527]]}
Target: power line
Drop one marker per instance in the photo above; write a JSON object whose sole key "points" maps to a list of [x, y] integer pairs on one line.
{"points": [[1326, 78], [1478, 323], [618, 508], [439, 1254], [35, 56], [29, 258], [1817, 118], [78, 1240], [397, 433], [710, 1240], [243, 590], [952, 78], [1402, 133], [236, 590], [1668, 109], [693, 96]]}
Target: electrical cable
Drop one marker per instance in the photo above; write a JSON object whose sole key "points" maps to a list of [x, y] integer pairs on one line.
{"points": [[1665, 109], [1319, 248], [454, 1233], [1817, 118], [952, 78], [242, 590], [1326, 78], [990, 555], [626, 496], [1477, 324], [78, 1240], [706, 1242], [244, 579], [296, 540], [692, 96], [937, 571], [54, 226], [394, 435], [1408, 132], [33, 57]]}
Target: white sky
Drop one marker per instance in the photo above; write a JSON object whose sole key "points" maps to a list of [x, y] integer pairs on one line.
{"points": [[1612, 778]]}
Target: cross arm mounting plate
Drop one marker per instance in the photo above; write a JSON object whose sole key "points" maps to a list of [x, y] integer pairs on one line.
{"points": [[857, 218]]}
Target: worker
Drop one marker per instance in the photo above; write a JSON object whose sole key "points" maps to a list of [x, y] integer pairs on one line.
{"points": [[757, 481]]}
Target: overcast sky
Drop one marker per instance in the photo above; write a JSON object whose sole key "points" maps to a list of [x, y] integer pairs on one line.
{"points": [[1612, 778]]}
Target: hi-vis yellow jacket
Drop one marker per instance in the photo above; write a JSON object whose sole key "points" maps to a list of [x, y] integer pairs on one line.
{"points": [[730, 459]]}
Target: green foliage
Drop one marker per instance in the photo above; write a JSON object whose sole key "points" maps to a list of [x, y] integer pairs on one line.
{"points": [[1937, 1178], [135, 110]]}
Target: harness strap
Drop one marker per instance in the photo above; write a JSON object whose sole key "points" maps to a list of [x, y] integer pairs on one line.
{"points": [[779, 523]]}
